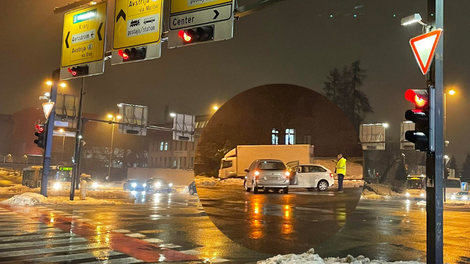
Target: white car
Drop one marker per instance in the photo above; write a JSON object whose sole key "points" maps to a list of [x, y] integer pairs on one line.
{"points": [[310, 176]]}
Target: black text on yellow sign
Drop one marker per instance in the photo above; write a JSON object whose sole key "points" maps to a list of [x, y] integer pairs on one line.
{"points": [[83, 36], [137, 23]]}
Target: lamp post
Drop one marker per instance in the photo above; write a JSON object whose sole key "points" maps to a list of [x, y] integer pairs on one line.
{"points": [[112, 119]]}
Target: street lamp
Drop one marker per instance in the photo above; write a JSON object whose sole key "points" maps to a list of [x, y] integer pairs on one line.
{"points": [[172, 114], [112, 119], [215, 107]]}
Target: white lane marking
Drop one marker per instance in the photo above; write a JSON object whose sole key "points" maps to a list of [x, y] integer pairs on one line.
{"points": [[2, 224], [122, 231], [191, 252], [30, 237], [153, 240], [66, 258], [70, 248], [86, 220], [116, 261], [136, 235], [12, 233], [19, 245], [169, 245]]}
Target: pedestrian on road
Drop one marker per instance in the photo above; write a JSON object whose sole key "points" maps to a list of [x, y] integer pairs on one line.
{"points": [[340, 171]]}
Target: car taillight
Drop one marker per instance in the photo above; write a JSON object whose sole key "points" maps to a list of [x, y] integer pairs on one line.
{"points": [[331, 175], [256, 174], [287, 174]]}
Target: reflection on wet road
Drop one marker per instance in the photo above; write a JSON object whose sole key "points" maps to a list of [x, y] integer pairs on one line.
{"points": [[277, 223], [173, 227]]}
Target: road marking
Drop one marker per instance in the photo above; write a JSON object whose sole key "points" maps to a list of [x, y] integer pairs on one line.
{"points": [[191, 252], [41, 251], [42, 243], [115, 261], [153, 240], [33, 237], [12, 233], [169, 245], [122, 231], [67, 258], [136, 235]]}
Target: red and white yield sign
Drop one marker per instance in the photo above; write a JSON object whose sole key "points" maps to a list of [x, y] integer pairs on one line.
{"points": [[424, 47]]}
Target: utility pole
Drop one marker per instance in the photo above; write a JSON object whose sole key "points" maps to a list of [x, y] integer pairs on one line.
{"points": [[435, 155], [78, 144], [49, 134]]}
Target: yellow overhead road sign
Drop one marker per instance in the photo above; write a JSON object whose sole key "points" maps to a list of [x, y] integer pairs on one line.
{"points": [[137, 22], [178, 6], [83, 36]]}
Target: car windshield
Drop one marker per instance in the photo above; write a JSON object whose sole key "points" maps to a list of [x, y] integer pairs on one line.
{"points": [[271, 165]]}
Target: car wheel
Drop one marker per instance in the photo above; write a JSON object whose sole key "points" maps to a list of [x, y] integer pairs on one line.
{"points": [[255, 189], [309, 189], [286, 190], [322, 185], [276, 190], [248, 189]]}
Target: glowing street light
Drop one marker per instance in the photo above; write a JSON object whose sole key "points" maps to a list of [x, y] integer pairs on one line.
{"points": [[63, 85], [452, 92], [49, 83], [215, 108], [172, 114]]}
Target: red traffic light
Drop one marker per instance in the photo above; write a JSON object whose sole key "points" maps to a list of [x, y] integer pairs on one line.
{"points": [[123, 54], [40, 128], [417, 97], [186, 38]]}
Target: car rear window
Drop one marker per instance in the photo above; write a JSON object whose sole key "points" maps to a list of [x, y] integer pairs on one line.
{"points": [[271, 165]]}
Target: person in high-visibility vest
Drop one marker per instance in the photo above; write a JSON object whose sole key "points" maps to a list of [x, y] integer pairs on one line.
{"points": [[341, 171]]}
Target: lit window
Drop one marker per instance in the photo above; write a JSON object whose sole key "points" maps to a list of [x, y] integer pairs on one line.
{"points": [[161, 146], [275, 137], [290, 136], [166, 146]]}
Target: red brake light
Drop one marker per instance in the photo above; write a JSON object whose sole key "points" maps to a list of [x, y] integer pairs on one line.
{"points": [[287, 174], [256, 173], [331, 175]]}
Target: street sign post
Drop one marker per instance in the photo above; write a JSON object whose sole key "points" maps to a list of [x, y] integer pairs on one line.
{"points": [[423, 47], [195, 21], [137, 30], [183, 127], [134, 119], [83, 42], [372, 136]]}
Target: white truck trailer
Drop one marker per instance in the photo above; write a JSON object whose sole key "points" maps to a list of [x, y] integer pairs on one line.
{"points": [[235, 162]]}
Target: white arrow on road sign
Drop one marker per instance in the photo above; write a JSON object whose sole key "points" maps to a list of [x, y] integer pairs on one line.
{"points": [[423, 47]]}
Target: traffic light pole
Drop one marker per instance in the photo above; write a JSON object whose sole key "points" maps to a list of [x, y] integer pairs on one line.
{"points": [[435, 155], [78, 144], [49, 134]]}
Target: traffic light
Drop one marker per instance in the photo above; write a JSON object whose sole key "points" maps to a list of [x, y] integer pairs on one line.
{"points": [[195, 35], [40, 134], [419, 116], [78, 71], [133, 54]]}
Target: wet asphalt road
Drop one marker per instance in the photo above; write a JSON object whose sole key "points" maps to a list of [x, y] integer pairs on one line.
{"points": [[389, 230], [277, 223]]}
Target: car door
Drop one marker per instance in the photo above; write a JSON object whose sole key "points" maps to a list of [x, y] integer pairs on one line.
{"points": [[317, 174], [293, 168], [249, 174]]}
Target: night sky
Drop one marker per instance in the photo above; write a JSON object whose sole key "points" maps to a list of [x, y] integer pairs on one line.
{"points": [[293, 42]]}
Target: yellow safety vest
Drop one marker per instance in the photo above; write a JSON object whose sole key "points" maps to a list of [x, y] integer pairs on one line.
{"points": [[341, 166]]}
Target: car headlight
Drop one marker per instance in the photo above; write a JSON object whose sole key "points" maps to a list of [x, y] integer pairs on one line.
{"points": [[94, 185], [134, 184], [407, 194], [422, 195], [57, 186], [452, 197], [158, 184], [145, 185], [170, 184], [465, 197]]}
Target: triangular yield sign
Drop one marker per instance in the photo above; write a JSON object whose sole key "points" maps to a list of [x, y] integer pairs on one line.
{"points": [[424, 47], [47, 108]]}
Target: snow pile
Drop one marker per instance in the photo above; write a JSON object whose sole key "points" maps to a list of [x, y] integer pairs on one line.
{"points": [[231, 182], [457, 203], [26, 199], [18, 188], [37, 199], [352, 183], [205, 181], [310, 257], [183, 189]]}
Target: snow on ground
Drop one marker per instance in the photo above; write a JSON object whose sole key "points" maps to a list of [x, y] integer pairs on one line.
{"points": [[181, 189], [37, 199], [310, 257], [17, 188], [209, 181]]}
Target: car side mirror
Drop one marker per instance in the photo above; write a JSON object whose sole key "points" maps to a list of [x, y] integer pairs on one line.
{"points": [[246, 170]]}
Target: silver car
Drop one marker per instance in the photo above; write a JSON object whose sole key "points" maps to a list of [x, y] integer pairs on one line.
{"points": [[267, 174]]}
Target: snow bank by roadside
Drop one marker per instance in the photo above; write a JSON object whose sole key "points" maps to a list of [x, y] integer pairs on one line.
{"points": [[209, 181], [37, 199], [17, 188], [310, 257]]}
